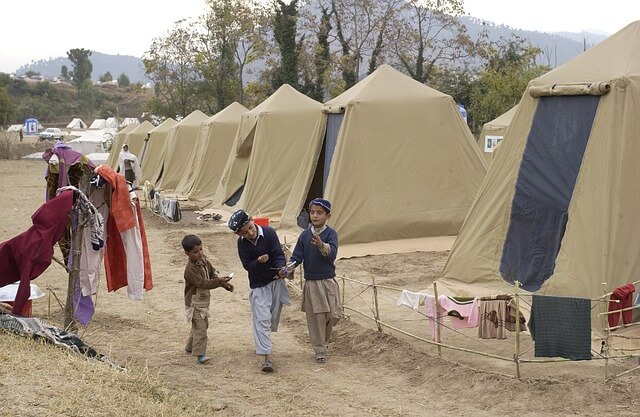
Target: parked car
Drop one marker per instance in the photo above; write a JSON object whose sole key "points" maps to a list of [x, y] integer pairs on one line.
{"points": [[51, 133]]}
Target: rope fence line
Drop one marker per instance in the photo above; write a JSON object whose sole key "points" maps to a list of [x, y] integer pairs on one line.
{"points": [[517, 358]]}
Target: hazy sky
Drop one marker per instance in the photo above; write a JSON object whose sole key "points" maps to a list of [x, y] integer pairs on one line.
{"points": [[39, 29]]}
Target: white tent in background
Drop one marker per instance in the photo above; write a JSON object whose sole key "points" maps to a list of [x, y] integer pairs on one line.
{"points": [[90, 141], [15, 128], [98, 158], [98, 124], [130, 121], [111, 123], [77, 124]]}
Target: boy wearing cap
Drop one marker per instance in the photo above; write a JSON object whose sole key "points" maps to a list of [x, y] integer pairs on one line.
{"points": [[317, 248], [261, 255]]}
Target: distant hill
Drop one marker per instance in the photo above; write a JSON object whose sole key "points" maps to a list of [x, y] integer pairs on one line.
{"points": [[116, 64], [557, 48]]}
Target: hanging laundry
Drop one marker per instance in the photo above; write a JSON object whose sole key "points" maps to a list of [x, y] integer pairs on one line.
{"points": [[411, 299], [561, 327], [510, 321], [625, 295], [464, 314], [493, 312], [127, 261], [29, 254], [61, 158]]}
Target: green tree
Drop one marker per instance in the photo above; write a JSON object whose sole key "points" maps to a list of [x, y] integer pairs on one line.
{"points": [[284, 32], [64, 73], [215, 54], [82, 66], [322, 59], [31, 74], [123, 80], [106, 77], [171, 64], [6, 107], [510, 65]]}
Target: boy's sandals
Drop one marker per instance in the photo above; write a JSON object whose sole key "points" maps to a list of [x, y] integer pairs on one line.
{"points": [[267, 366], [321, 357]]}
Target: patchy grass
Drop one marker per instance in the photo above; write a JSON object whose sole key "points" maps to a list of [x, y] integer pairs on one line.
{"points": [[40, 379]]}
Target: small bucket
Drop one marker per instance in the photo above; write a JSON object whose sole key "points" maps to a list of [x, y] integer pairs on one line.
{"points": [[26, 310], [261, 221]]}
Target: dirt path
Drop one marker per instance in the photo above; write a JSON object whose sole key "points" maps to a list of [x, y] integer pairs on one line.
{"points": [[368, 373]]}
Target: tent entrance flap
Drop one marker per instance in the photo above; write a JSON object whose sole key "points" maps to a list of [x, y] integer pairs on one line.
{"points": [[319, 180], [334, 121], [235, 197], [548, 172]]}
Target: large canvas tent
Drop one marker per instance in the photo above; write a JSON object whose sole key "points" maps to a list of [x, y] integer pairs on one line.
{"points": [[558, 209], [396, 160], [178, 151], [116, 145], [215, 139], [493, 132], [135, 138], [266, 152], [151, 158]]}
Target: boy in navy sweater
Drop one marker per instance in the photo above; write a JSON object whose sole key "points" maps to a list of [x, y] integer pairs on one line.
{"points": [[317, 248], [261, 255]]}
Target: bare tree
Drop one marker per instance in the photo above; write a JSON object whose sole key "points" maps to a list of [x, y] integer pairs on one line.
{"points": [[170, 64], [361, 27], [428, 34]]}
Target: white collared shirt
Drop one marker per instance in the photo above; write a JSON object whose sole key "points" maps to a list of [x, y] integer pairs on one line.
{"points": [[260, 234]]}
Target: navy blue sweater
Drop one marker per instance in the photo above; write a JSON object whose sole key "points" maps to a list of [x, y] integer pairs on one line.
{"points": [[315, 265], [261, 274]]}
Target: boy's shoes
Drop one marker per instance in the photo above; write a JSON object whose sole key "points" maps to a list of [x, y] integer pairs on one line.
{"points": [[267, 366], [202, 359], [321, 357]]}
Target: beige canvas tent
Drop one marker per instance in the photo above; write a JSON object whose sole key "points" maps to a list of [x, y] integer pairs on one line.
{"points": [[558, 210], [135, 138], [215, 139], [116, 146], [266, 153], [493, 132], [151, 159], [395, 159], [178, 151]]}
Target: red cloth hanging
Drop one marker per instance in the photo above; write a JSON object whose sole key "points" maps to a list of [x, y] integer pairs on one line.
{"points": [[29, 254], [625, 295]]}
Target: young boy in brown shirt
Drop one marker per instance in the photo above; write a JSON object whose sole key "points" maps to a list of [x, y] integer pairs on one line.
{"points": [[199, 279]]}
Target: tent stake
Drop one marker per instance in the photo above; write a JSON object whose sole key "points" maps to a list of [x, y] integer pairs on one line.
{"points": [[605, 346], [516, 354], [437, 318], [375, 301]]}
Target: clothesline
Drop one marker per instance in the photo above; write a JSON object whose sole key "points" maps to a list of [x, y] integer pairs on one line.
{"points": [[618, 311], [402, 289], [609, 293]]}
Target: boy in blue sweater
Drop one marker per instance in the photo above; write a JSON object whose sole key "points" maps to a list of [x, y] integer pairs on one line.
{"points": [[316, 249], [261, 255]]}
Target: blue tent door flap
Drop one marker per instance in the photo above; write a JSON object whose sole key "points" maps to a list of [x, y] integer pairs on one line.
{"points": [[550, 165]]}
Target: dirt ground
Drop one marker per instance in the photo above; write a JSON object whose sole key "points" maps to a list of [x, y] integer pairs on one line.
{"points": [[368, 373]]}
